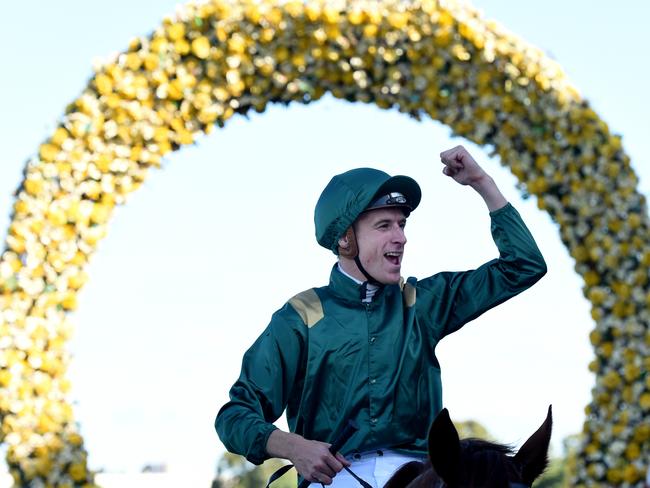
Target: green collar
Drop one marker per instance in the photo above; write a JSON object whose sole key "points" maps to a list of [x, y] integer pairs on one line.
{"points": [[349, 291]]}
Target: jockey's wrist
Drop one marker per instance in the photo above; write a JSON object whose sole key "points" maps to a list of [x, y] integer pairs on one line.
{"points": [[282, 444], [489, 191]]}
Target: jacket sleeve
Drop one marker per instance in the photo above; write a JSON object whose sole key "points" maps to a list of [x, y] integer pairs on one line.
{"points": [[451, 299], [269, 370]]}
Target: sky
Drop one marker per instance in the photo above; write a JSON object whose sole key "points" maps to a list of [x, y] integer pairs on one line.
{"points": [[199, 257]]}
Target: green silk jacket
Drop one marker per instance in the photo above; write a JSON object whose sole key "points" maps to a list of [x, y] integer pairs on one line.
{"points": [[326, 357]]}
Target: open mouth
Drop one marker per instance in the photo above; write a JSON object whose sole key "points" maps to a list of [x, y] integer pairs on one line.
{"points": [[393, 257]]}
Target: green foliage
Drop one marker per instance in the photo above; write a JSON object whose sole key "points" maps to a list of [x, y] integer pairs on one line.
{"points": [[554, 476], [471, 428], [234, 471], [557, 473]]}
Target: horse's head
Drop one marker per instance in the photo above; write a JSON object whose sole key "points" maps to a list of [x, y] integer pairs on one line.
{"points": [[473, 462]]}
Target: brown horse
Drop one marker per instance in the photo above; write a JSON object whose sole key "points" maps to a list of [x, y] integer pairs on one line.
{"points": [[473, 462]]}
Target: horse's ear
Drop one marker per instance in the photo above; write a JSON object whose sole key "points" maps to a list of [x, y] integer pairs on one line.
{"points": [[444, 448], [533, 455]]}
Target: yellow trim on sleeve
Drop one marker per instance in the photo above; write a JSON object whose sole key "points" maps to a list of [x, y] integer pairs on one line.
{"points": [[308, 306]]}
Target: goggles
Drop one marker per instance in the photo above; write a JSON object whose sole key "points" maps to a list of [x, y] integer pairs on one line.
{"points": [[393, 199]]}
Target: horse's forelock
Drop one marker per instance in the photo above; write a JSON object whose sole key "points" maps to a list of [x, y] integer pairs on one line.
{"points": [[471, 445], [487, 463]]}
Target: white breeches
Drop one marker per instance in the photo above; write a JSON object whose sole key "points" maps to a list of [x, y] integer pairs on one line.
{"points": [[374, 467]]}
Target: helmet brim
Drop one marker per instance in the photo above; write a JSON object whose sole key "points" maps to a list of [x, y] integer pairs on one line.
{"points": [[405, 185]]}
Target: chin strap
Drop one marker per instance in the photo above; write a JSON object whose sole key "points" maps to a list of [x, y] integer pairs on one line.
{"points": [[369, 277], [352, 251], [370, 281]]}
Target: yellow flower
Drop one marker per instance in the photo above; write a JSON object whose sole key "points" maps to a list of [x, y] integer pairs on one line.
{"points": [[592, 448], [398, 20], [182, 47], [69, 301], [133, 61], [5, 378], [580, 253], [607, 349], [623, 309], [77, 280], [294, 8], [151, 61], [642, 433], [48, 152], [628, 394], [313, 11], [632, 451], [100, 213], [60, 136], [74, 439], [614, 476], [370, 30], [631, 372], [597, 295], [201, 47], [631, 474], [78, 471], [176, 31], [356, 16], [34, 186], [46, 424], [56, 216], [596, 314], [611, 380], [104, 84], [273, 16], [330, 14], [595, 337], [644, 401]]}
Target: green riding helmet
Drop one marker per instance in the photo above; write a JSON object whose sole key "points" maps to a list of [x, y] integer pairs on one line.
{"points": [[349, 194]]}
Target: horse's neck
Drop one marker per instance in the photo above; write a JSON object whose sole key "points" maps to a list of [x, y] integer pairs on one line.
{"points": [[412, 475], [427, 479]]}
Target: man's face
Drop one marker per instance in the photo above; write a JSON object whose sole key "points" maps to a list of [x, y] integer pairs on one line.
{"points": [[380, 237]]}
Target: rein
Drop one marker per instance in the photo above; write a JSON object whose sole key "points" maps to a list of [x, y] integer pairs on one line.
{"points": [[361, 481], [306, 483], [343, 437]]}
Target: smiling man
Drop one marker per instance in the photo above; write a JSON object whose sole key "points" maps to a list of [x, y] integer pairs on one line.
{"points": [[363, 347]]}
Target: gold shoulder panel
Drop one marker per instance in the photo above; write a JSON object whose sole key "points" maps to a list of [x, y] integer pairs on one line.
{"points": [[308, 306], [408, 292]]}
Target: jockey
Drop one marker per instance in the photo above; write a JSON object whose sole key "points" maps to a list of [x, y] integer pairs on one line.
{"points": [[363, 347]]}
